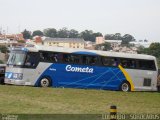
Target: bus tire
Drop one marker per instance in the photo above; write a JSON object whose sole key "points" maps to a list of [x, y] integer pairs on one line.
{"points": [[45, 82], [125, 87]]}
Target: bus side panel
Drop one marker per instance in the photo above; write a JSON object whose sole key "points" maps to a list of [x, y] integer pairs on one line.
{"points": [[31, 75], [139, 76], [100, 78]]}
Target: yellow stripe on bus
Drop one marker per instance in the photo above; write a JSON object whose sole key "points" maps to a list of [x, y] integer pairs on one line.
{"points": [[127, 77]]}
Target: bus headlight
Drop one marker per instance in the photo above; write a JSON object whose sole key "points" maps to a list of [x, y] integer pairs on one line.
{"points": [[18, 76]]}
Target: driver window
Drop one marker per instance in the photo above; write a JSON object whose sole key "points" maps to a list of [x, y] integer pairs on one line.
{"points": [[32, 60]]}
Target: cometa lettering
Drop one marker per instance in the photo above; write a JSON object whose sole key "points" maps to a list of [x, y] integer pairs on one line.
{"points": [[70, 68]]}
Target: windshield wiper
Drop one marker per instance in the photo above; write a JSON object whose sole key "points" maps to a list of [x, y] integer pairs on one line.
{"points": [[11, 61]]}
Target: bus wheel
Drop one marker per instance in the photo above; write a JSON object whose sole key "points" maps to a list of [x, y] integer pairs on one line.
{"points": [[45, 82], [125, 87]]}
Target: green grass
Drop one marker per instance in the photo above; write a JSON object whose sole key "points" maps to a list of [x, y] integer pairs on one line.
{"points": [[34, 100]]}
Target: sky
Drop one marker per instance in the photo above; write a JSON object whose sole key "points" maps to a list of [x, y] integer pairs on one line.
{"points": [[140, 18]]}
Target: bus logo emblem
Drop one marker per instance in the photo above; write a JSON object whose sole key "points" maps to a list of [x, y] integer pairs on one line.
{"points": [[70, 68]]}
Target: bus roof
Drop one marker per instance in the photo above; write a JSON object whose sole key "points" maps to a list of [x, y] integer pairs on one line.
{"points": [[90, 52]]}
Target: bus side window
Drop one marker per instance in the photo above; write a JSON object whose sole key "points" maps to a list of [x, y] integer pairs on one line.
{"points": [[114, 62], [44, 56], [59, 57], [32, 60], [123, 63], [133, 64], [71, 58], [41, 57], [49, 57], [110, 61], [90, 60], [105, 61], [75, 59], [146, 64], [66, 58], [128, 63], [53, 57]]}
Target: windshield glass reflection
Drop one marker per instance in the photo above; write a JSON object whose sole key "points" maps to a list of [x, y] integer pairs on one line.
{"points": [[16, 58]]}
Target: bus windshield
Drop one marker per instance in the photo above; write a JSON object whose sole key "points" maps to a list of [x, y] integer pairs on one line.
{"points": [[16, 58]]}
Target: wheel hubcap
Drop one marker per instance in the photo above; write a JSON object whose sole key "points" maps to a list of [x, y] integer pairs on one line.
{"points": [[125, 87], [44, 82]]}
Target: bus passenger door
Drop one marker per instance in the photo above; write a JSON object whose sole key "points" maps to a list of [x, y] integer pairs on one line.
{"points": [[30, 71]]}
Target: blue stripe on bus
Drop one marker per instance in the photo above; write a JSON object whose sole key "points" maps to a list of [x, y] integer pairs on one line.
{"points": [[100, 78], [85, 53]]}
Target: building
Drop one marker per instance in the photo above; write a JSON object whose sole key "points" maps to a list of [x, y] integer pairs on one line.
{"points": [[11, 39], [139, 43], [125, 49], [7, 42], [114, 43], [117, 47], [100, 40], [16, 37], [38, 40], [64, 42], [89, 45]]}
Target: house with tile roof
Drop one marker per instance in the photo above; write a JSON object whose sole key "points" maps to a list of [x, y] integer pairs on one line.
{"points": [[64, 42]]}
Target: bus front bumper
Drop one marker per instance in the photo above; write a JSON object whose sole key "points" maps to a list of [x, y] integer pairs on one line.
{"points": [[14, 82]]}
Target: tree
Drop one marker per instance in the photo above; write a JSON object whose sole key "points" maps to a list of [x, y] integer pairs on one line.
{"points": [[3, 49], [155, 49], [127, 38], [26, 34], [104, 46], [98, 34], [37, 32], [152, 50], [50, 32], [63, 33], [110, 37], [73, 33], [88, 35], [118, 36], [142, 50]]}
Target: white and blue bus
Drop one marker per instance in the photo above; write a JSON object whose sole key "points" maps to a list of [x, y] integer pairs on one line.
{"points": [[79, 68]]}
